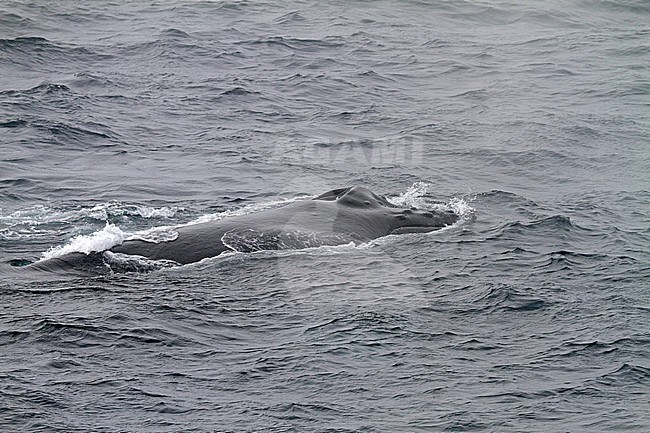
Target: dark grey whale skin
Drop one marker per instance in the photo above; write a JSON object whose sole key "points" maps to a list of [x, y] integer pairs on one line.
{"points": [[336, 217]]}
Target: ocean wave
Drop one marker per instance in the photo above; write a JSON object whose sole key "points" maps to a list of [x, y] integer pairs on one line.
{"points": [[506, 298], [38, 51], [298, 44]]}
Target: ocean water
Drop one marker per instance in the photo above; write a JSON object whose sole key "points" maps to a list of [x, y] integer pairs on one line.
{"points": [[531, 119]]}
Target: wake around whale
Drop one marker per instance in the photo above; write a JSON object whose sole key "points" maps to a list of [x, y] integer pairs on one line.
{"points": [[336, 217]]}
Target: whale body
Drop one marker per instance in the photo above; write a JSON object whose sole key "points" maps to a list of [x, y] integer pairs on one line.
{"points": [[337, 217]]}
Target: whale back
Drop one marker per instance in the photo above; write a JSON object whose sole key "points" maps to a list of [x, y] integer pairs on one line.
{"points": [[336, 217]]}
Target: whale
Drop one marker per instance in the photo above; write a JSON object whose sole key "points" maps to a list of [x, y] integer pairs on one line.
{"points": [[337, 217]]}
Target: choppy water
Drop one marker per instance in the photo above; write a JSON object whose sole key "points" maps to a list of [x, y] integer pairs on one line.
{"points": [[530, 315]]}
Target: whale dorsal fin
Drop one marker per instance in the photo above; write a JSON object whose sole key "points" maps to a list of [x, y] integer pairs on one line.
{"points": [[333, 194]]}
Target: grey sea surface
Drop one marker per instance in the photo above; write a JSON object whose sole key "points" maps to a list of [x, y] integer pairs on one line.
{"points": [[530, 119]]}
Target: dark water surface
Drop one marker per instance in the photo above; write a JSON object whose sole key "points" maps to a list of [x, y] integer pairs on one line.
{"points": [[532, 121]]}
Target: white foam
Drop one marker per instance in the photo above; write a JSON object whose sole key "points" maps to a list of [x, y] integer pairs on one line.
{"points": [[40, 215], [460, 207], [155, 234], [129, 262], [101, 240], [153, 212], [414, 196], [323, 250], [105, 210], [35, 215], [245, 210]]}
